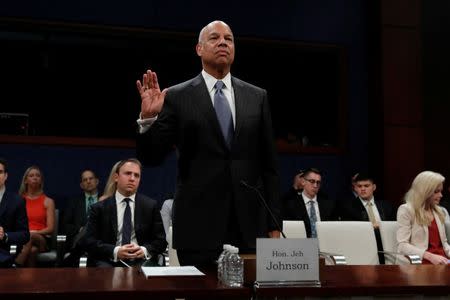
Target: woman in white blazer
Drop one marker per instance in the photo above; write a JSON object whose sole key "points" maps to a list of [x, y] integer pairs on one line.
{"points": [[420, 221]]}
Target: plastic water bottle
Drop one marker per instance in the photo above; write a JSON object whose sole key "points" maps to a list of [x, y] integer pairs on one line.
{"points": [[221, 264], [234, 268]]}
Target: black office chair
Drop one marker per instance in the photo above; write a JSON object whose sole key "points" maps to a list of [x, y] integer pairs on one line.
{"points": [[54, 256]]}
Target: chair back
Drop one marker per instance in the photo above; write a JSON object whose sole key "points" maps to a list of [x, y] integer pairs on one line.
{"points": [[56, 252], [173, 258], [388, 233], [355, 240], [294, 229], [447, 231]]}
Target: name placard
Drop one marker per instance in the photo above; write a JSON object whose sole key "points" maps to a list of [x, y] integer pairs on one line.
{"points": [[287, 262]]}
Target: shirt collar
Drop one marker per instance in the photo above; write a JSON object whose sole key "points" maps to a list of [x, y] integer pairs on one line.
{"points": [[366, 202], [95, 196], [307, 199], [211, 80], [120, 197]]}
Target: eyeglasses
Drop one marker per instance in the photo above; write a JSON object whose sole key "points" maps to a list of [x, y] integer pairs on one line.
{"points": [[312, 181]]}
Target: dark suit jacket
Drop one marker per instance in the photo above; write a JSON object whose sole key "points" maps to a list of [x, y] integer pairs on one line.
{"points": [[101, 233], [75, 217], [13, 219], [209, 173], [354, 210], [294, 208]]}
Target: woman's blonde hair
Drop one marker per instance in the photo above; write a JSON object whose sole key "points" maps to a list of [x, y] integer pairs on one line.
{"points": [[23, 186], [422, 188], [111, 185]]}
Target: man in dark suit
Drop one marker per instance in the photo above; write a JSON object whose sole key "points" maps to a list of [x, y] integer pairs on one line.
{"points": [[75, 216], [222, 129], [13, 220], [358, 209], [125, 229], [308, 205], [366, 207]]}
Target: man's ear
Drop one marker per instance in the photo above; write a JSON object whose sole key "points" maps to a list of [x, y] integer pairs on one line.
{"points": [[199, 49], [374, 187]]}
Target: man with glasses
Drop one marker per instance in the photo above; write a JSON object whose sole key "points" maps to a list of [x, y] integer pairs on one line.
{"points": [[308, 205]]}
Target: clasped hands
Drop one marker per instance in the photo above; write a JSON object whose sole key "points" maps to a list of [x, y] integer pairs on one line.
{"points": [[130, 251]]}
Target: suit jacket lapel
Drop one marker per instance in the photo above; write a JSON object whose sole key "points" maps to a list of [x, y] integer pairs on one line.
{"points": [[82, 211], [240, 94], [111, 211], [3, 205], [380, 209], [138, 210], [361, 210], [304, 212]]}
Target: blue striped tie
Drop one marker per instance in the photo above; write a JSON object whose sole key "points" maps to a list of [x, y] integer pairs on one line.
{"points": [[223, 113], [312, 219]]}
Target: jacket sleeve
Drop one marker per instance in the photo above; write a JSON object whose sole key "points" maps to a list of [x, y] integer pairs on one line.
{"points": [[19, 235], [405, 220]]}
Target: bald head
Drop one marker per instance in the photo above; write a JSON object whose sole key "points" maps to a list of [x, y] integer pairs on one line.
{"points": [[203, 33], [216, 48]]}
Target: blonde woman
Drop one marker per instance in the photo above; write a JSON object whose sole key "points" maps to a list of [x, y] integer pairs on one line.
{"points": [[41, 216], [421, 221], [111, 185]]}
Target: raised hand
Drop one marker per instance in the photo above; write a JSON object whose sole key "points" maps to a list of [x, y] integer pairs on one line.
{"points": [[152, 98]]}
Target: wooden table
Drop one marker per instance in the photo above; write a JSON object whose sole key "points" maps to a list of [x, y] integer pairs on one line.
{"points": [[109, 283], [130, 284], [370, 281]]}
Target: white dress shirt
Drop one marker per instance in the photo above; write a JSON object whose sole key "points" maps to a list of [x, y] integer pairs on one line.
{"points": [[374, 208], [121, 205]]}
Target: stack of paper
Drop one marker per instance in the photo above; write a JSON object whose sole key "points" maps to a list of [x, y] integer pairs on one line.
{"points": [[171, 271]]}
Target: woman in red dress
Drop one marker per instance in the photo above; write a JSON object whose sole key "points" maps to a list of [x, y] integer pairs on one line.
{"points": [[421, 221], [41, 216]]}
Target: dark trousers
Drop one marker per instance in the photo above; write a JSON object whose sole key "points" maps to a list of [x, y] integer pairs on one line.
{"points": [[206, 258]]}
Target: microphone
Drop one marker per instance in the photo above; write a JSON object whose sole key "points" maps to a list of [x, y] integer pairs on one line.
{"points": [[265, 205]]}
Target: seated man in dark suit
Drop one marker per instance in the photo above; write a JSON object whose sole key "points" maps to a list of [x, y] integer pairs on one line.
{"points": [[13, 220], [366, 208], [75, 217], [125, 229], [309, 205]]}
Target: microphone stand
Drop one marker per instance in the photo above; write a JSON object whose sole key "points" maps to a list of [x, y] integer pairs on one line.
{"points": [[265, 205]]}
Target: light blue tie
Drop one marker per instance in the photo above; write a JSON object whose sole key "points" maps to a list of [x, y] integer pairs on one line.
{"points": [[312, 218], [90, 202], [223, 113]]}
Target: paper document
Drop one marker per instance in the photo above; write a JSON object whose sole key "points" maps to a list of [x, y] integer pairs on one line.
{"points": [[171, 271]]}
